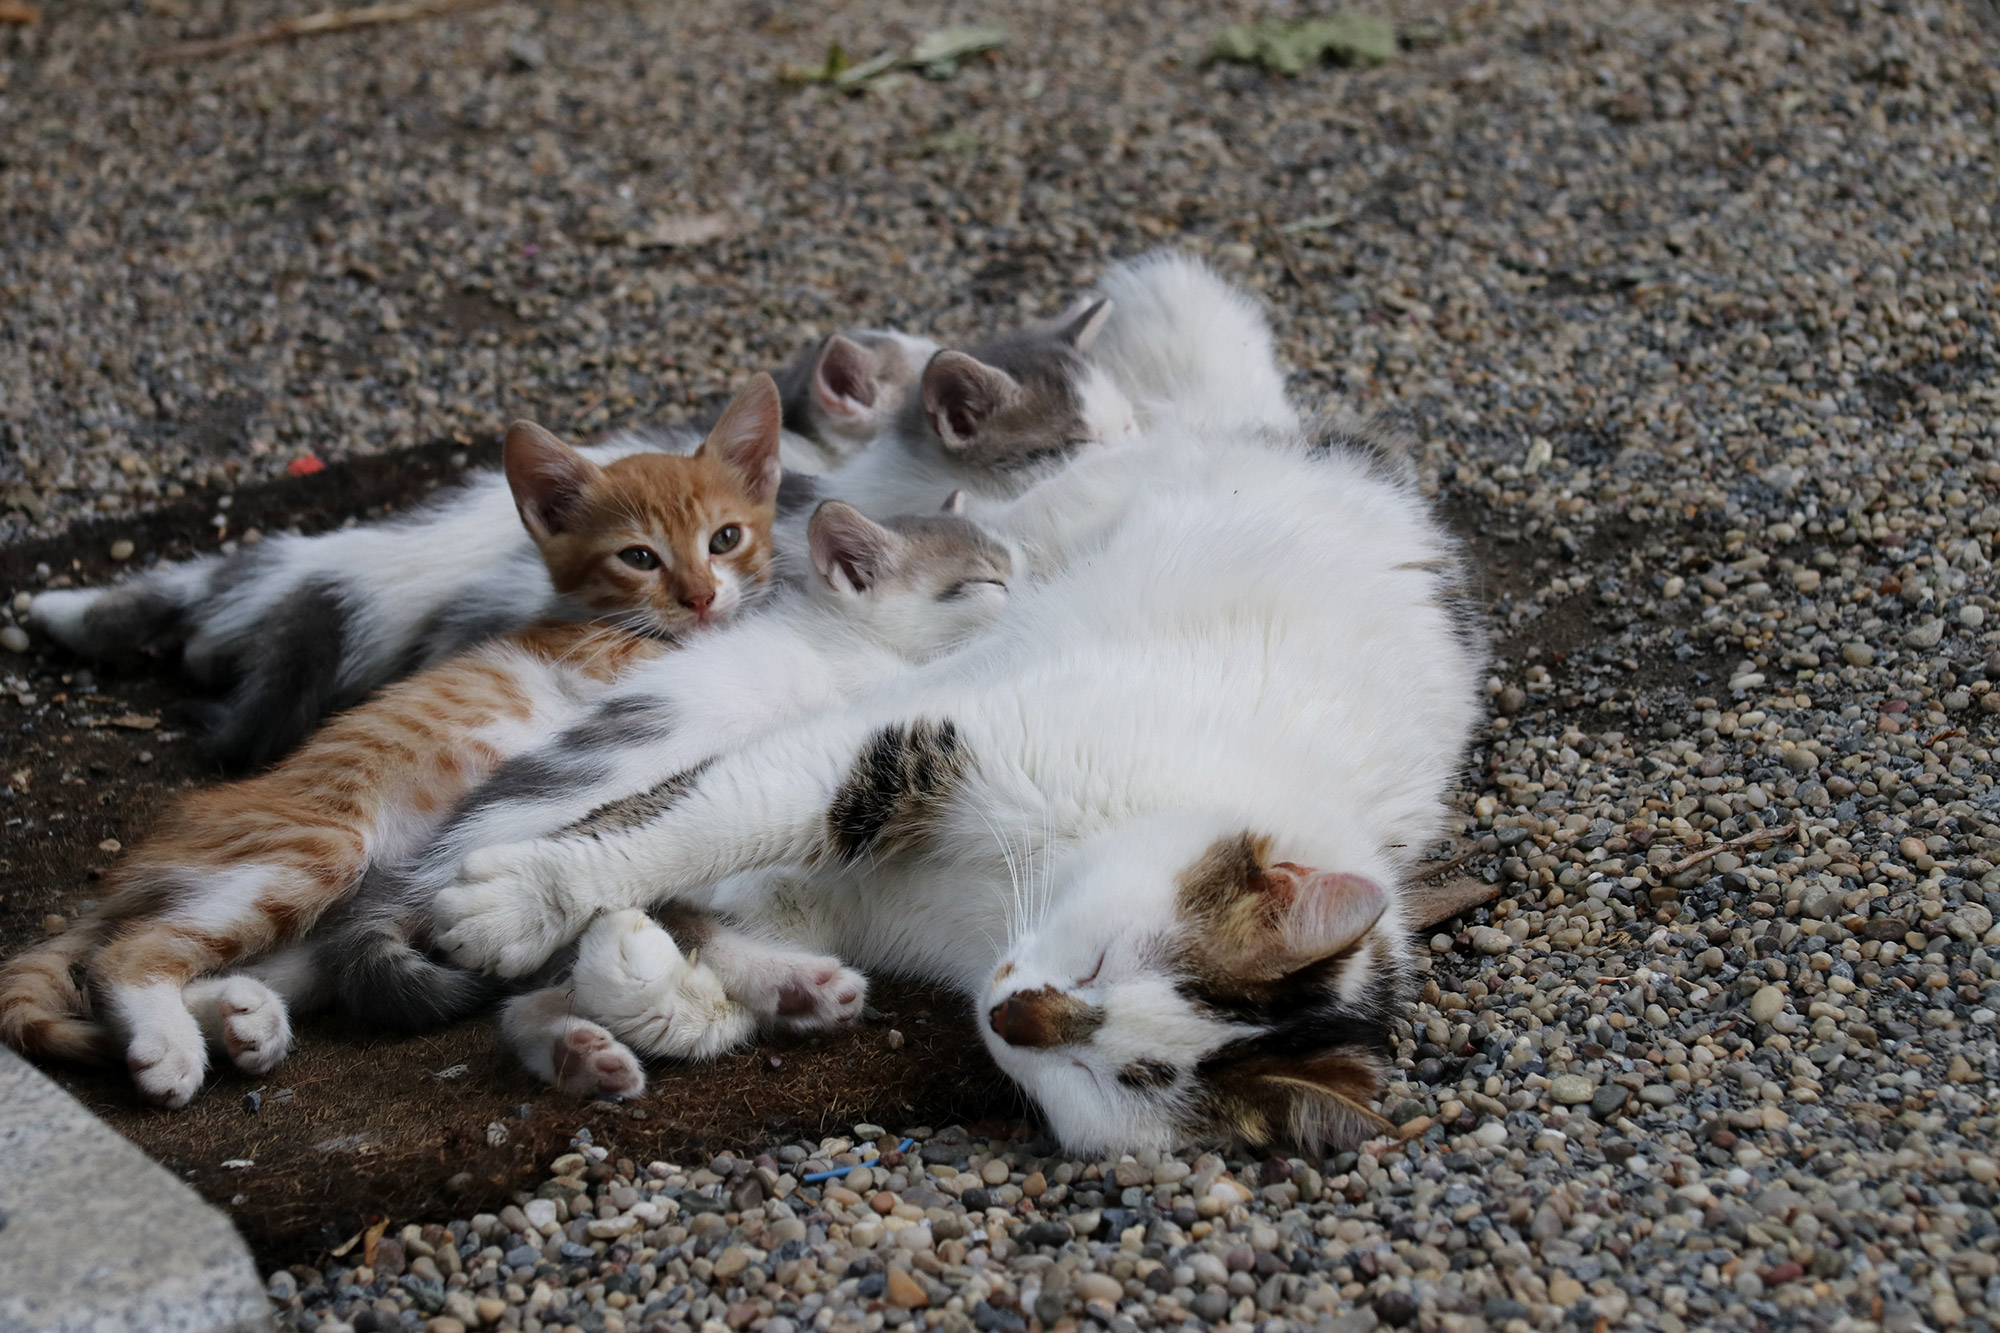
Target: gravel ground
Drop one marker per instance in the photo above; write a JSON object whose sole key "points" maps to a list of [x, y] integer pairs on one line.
{"points": [[1691, 309]]}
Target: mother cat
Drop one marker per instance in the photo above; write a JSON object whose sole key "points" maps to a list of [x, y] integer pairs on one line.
{"points": [[1152, 825]]}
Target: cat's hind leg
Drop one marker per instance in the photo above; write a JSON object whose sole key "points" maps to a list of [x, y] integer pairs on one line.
{"points": [[631, 976], [782, 986], [164, 1046], [568, 1051], [244, 1018]]}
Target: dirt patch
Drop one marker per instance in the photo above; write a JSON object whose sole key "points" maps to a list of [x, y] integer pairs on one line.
{"points": [[355, 1125]]}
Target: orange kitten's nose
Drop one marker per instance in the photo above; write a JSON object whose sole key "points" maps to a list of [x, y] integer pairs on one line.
{"points": [[699, 603]]}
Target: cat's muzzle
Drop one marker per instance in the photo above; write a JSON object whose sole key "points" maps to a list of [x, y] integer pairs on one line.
{"points": [[1044, 1018]]}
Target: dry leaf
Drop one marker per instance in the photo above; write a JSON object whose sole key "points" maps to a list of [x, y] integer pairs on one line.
{"points": [[134, 722], [370, 1239], [13, 11], [1434, 904], [693, 229]]}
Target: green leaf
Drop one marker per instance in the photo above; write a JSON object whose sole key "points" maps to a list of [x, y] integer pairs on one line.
{"points": [[1291, 47]]}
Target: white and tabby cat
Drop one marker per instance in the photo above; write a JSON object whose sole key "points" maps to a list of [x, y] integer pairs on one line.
{"points": [[1150, 824]]}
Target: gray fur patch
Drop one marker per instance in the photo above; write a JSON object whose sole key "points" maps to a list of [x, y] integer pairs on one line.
{"points": [[1046, 423], [637, 810], [899, 780], [286, 680], [797, 492]]}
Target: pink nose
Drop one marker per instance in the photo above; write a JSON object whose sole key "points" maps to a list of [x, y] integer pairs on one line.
{"points": [[699, 602]]}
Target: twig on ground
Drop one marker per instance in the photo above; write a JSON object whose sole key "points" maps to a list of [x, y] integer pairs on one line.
{"points": [[312, 25], [1690, 862], [1285, 255]]}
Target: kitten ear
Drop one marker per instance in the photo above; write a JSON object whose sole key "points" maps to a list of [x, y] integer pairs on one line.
{"points": [[746, 438], [954, 504], [961, 394], [851, 551], [1084, 321], [847, 378], [547, 478]]}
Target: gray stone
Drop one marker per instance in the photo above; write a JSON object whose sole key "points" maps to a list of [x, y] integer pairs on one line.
{"points": [[117, 1242]]}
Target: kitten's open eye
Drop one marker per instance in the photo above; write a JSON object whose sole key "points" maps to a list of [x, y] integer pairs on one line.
{"points": [[967, 587], [1085, 981], [640, 557], [726, 538]]}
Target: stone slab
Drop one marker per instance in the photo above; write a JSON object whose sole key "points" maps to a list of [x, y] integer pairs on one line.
{"points": [[98, 1238]]}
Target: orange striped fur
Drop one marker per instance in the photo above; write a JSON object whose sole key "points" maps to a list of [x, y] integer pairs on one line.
{"points": [[237, 871]]}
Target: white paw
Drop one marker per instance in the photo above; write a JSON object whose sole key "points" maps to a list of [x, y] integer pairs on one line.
{"points": [[627, 952], [168, 1059], [59, 614], [256, 1030], [813, 992], [632, 977], [508, 910], [589, 1062]]}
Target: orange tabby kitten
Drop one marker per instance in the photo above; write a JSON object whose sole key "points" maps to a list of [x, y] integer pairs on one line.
{"points": [[652, 545]]}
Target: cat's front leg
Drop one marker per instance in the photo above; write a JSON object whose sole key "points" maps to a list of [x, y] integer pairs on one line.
{"points": [[836, 788]]}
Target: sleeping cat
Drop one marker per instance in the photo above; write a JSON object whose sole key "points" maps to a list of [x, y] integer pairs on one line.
{"points": [[1151, 823], [296, 628], [880, 596], [653, 545]]}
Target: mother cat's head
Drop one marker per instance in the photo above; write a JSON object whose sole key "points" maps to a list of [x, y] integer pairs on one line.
{"points": [[1185, 984]]}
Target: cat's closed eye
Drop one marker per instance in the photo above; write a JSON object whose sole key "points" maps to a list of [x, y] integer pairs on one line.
{"points": [[970, 587], [640, 557], [725, 539], [1094, 971]]}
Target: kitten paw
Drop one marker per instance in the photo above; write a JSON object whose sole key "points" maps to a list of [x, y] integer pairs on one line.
{"points": [[817, 993], [508, 910], [167, 1063], [590, 1063], [631, 976], [256, 1030]]}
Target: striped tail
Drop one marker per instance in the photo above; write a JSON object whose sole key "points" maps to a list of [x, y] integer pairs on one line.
{"points": [[387, 981], [44, 1013]]}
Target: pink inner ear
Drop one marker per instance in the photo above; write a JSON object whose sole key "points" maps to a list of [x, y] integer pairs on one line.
{"points": [[844, 381], [1327, 910]]}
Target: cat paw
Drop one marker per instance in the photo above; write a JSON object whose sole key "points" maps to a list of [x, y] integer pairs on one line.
{"points": [[631, 976], [168, 1065], [256, 1030], [627, 953], [507, 911], [816, 993], [591, 1063]]}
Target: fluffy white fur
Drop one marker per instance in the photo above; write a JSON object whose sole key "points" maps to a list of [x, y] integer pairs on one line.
{"points": [[1237, 633]]}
